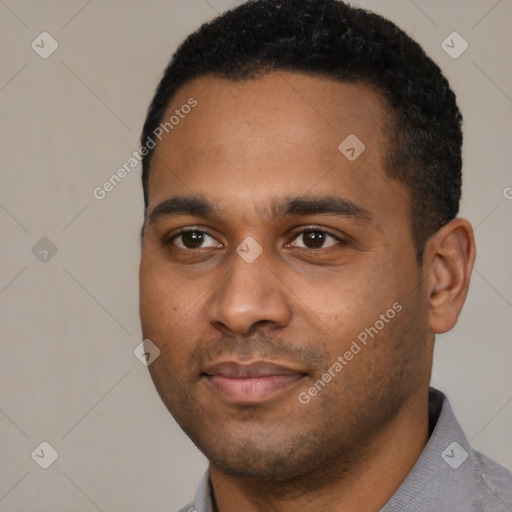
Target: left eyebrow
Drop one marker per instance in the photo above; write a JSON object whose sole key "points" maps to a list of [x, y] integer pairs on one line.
{"points": [[326, 205]]}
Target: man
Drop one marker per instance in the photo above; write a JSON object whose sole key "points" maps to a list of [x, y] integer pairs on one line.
{"points": [[300, 250]]}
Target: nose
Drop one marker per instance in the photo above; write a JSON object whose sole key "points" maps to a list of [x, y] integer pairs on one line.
{"points": [[250, 294]]}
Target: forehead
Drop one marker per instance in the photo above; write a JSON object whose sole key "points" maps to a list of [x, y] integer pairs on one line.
{"points": [[272, 135], [282, 104]]}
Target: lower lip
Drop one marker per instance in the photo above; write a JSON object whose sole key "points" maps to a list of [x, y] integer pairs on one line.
{"points": [[251, 390]]}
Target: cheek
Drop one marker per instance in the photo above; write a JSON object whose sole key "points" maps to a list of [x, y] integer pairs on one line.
{"points": [[356, 293], [350, 303], [159, 301], [168, 312]]}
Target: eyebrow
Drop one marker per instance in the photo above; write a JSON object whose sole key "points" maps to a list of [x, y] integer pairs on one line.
{"points": [[183, 205], [302, 205], [326, 205]]}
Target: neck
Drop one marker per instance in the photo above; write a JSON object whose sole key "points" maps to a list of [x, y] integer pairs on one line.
{"points": [[363, 481]]}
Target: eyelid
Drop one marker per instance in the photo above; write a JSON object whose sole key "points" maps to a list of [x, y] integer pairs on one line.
{"points": [[296, 232], [188, 229]]}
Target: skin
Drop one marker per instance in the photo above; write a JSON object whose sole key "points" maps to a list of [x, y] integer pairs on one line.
{"points": [[246, 147]]}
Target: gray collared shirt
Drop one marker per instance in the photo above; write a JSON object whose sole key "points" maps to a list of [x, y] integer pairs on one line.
{"points": [[448, 477]]}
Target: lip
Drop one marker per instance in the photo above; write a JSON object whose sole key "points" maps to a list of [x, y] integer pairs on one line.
{"points": [[250, 383]]}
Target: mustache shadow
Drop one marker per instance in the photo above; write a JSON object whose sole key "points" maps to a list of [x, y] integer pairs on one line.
{"points": [[257, 347]]}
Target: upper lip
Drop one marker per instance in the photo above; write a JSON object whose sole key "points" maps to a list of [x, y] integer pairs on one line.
{"points": [[234, 369]]}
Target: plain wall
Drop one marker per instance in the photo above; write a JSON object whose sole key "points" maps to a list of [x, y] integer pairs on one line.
{"points": [[70, 324]]}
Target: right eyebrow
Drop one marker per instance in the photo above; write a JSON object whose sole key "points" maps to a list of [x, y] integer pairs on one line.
{"points": [[182, 205]]}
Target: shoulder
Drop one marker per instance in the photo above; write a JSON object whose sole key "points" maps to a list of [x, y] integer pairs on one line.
{"points": [[495, 484], [450, 475]]}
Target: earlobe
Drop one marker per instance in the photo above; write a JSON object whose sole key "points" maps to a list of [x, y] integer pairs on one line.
{"points": [[448, 263]]}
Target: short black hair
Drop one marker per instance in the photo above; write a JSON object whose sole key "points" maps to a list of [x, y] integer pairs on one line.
{"points": [[330, 39]]}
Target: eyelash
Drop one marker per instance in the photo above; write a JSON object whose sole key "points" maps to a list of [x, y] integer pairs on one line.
{"points": [[294, 235]]}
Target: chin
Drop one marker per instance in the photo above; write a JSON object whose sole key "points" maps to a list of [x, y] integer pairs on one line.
{"points": [[273, 459], [262, 467]]}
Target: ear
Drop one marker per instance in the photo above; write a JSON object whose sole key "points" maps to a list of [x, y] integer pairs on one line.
{"points": [[448, 262]]}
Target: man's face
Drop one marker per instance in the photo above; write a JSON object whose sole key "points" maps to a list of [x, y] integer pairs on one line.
{"points": [[248, 340]]}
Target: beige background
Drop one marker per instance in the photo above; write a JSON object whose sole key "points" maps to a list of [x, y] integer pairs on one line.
{"points": [[69, 325]]}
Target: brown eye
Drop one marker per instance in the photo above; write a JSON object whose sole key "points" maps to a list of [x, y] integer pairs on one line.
{"points": [[194, 240], [314, 239]]}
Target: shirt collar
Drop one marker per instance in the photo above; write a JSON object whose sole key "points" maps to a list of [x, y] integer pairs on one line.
{"points": [[446, 460]]}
